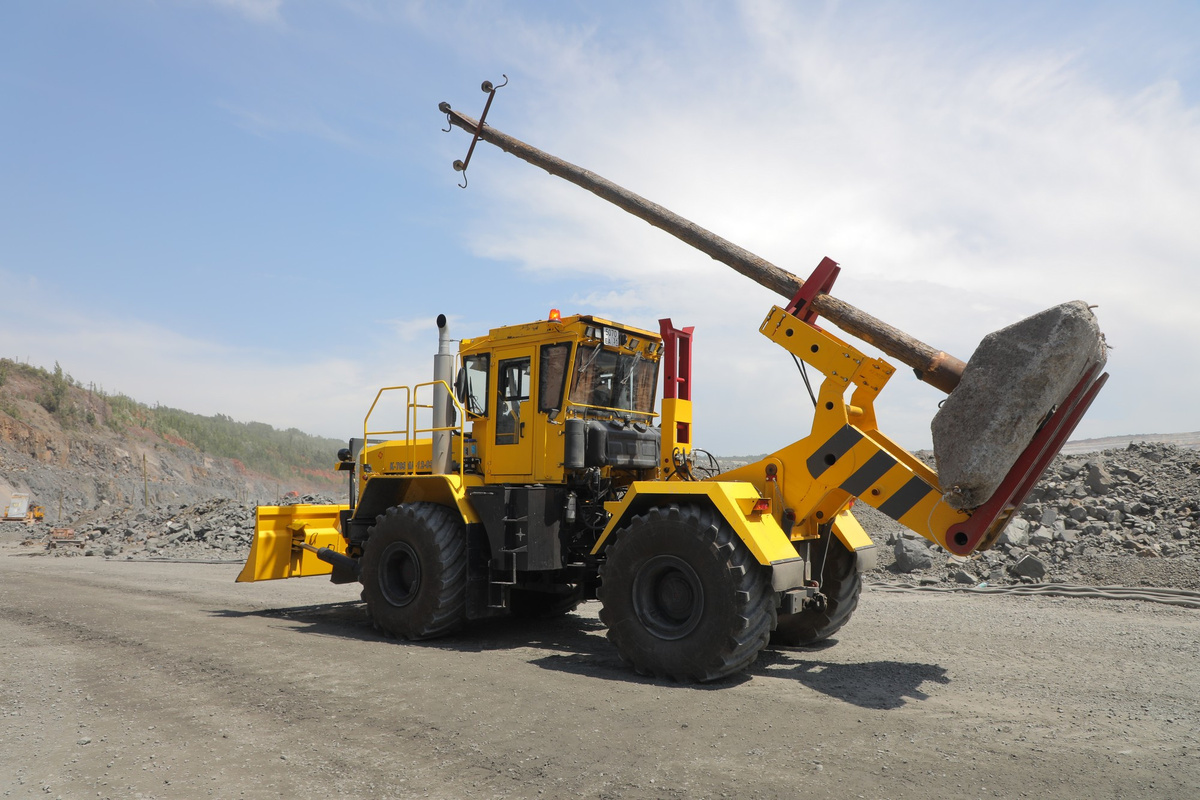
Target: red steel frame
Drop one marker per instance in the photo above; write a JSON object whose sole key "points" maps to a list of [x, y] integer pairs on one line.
{"points": [[962, 539]]}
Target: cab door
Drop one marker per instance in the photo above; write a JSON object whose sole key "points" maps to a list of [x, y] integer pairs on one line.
{"points": [[511, 455]]}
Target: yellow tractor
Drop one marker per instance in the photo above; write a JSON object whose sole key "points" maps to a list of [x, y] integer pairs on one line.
{"points": [[543, 477], [539, 474]]}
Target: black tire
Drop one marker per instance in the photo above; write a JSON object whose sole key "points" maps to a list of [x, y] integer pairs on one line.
{"points": [[841, 583], [414, 571], [534, 604], [683, 597]]}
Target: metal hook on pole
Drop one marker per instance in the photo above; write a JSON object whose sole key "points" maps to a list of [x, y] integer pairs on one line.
{"points": [[490, 90]]}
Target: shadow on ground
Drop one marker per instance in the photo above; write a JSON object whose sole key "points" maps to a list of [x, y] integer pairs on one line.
{"points": [[872, 684], [576, 644], [571, 634]]}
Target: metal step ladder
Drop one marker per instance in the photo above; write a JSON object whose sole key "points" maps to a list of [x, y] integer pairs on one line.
{"points": [[504, 576]]}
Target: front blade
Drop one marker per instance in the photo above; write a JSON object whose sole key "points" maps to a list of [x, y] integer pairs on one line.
{"points": [[277, 527]]}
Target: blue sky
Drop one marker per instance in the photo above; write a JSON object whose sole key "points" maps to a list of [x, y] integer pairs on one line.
{"points": [[247, 206]]}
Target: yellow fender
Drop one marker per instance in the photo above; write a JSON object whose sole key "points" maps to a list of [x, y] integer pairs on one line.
{"points": [[277, 527], [739, 503], [851, 533]]}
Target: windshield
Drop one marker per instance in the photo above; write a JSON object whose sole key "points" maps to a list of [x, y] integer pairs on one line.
{"points": [[609, 379]]}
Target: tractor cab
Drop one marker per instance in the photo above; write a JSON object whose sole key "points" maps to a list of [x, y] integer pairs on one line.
{"points": [[547, 398]]}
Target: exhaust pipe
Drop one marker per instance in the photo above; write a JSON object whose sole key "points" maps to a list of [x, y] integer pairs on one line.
{"points": [[443, 370]]}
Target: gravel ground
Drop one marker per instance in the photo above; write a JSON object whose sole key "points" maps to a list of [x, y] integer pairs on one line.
{"points": [[145, 679], [135, 667]]}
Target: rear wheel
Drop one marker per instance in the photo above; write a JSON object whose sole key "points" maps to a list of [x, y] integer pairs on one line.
{"points": [[683, 597], [841, 583], [414, 571]]}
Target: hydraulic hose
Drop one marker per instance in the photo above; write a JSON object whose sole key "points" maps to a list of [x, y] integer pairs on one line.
{"points": [[1181, 598]]}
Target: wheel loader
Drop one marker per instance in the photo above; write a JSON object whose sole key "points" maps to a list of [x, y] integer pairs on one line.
{"points": [[539, 469]]}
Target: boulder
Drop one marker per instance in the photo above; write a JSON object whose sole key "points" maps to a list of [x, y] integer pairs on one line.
{"points": [[962, 576], [912, 555], [1015, 377], [1015, 534], [1030, 567]]}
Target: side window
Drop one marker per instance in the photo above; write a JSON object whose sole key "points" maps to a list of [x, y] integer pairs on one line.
{"points": [[471, 387], [512, 387], [552, 376]]}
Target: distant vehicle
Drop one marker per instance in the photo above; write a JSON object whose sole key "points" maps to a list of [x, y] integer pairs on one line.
{"points": [[21, 510]]}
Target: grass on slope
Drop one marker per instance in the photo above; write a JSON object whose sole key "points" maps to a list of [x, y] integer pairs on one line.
{"points": [[258, 446]]}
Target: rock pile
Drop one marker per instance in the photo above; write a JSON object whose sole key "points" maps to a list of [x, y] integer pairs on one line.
{"points": [[1129, 516], [218, 529], [206, 531], [1142, 501]]}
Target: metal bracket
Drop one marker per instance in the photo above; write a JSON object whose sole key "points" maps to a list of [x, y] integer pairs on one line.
{"points": [[490, 90], [820, 282]]}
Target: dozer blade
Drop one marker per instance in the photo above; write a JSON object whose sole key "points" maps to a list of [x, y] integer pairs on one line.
{"points": [[278, 532]]}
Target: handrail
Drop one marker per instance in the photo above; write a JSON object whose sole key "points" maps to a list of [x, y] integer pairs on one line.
{"points": [[411, 431], [611, 410], [407, 402]]}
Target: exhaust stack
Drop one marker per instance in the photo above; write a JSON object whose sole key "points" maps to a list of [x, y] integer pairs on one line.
{"points": [[443, 370]]}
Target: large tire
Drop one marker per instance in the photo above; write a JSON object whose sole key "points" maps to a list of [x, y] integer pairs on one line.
{"points": [[534, 604], [683, 597], [414, 571], [841, 583]]}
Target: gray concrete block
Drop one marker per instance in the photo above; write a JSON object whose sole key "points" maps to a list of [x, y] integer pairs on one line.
{"points": [[1013, 380]]}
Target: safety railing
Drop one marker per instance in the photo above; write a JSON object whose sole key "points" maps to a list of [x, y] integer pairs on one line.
{"points": [[408, 436]]}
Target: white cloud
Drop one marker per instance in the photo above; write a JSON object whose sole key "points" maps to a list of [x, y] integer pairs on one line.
{"points": [[961, 191], [963, 184], [261, 11], [321, 395]]}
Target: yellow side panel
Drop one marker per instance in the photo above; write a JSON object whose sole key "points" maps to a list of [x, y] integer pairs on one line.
{"points": [[676, 432], [760, 532], [275, 527], [409, 458], [848, 529]]}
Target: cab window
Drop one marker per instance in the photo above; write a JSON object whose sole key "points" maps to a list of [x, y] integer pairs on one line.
{"points": [[552, 376], [611, 379], [512, 387], [472, 384]]}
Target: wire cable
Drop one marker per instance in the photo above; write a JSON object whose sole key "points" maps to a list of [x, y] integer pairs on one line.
{"points": [[804, 375], [1181, 598]]}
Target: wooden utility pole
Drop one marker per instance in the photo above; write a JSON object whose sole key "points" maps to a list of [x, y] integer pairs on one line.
{"points": [[931, 365]]}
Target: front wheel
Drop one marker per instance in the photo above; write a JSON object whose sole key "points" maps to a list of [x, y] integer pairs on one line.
{"points": [[414, 571], [683, 597]]}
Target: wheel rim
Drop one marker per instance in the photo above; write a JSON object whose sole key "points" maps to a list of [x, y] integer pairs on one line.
{"points": [[668, 597], [399, 574]]}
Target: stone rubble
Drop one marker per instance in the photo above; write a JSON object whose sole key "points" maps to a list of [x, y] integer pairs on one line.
{"points": [[211, 530], [1122, 516], [1119, 517]]}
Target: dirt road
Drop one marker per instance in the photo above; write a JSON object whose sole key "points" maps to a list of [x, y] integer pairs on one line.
{"points": [[167, 680]]}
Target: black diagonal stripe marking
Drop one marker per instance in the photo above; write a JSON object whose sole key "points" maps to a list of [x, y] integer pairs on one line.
{"points": [[868, 473], [833, 449], [905, 498]]}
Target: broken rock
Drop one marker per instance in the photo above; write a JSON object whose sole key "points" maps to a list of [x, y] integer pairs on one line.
{"points": [[912, 555], [1030, 567], [1016, 377]]}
